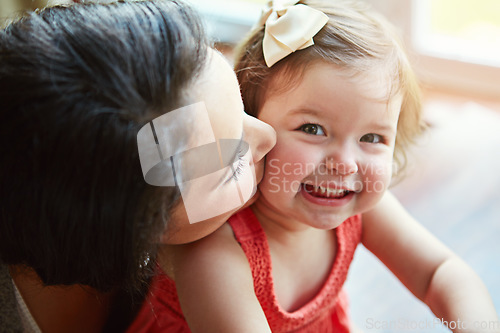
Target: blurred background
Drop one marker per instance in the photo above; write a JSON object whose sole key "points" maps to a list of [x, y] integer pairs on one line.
{"points": [[453, 183]]}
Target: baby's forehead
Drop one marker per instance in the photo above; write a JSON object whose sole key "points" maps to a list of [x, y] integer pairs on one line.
{"points": [[378, 84], [377, 80]]}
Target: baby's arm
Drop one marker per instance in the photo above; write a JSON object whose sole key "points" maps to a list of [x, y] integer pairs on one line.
{"points": [[433, 273], [215, 285]]}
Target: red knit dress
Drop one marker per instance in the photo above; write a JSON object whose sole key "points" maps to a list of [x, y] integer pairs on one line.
{"points": [[326, 312]]}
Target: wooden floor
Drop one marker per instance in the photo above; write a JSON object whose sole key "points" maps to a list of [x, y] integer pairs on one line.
{"points": [[454, 191]]}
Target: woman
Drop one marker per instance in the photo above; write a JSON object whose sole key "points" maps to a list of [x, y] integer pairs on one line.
{"points": [[79, 225]]}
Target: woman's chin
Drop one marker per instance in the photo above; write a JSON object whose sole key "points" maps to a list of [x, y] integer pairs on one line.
{"points": [[189, 233], [251, 200], [185, 232]]}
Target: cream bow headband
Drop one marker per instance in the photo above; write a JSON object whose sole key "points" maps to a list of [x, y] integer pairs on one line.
{"points": [[289, 27]]}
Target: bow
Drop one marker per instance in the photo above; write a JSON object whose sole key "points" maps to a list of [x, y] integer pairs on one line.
{"points": [[289, 27]]}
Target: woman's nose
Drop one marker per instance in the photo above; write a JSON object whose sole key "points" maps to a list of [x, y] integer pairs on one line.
{"points": [[260, 136], [342, 161]]}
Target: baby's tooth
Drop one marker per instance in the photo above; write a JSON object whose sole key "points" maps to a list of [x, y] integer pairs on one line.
{"points": [[335, 192], [327, 191]]}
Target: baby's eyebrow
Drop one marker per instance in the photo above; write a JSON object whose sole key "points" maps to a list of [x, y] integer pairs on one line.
{"points": [[383, 127], [304, 111]]}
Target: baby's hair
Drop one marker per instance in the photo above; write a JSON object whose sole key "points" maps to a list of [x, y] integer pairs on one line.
{"points": [[77, 83], [356, 40]]}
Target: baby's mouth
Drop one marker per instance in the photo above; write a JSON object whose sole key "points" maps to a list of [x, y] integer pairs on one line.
{"points": [[323, 192]]}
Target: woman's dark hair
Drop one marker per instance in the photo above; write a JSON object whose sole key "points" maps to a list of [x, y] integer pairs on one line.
{"points": [[76, 85]]}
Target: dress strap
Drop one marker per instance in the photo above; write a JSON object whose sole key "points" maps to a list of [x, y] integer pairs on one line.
{"points": [[245, 225]]}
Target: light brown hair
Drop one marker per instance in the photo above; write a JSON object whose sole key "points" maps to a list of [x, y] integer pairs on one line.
{"points": [[355, 39]]}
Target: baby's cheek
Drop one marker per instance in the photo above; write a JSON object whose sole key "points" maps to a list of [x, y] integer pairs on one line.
{"points": [[286, 168], [377, 175], [292, 161]]}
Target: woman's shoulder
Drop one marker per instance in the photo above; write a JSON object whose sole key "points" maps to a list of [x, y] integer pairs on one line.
{"points": [[9, 316]]}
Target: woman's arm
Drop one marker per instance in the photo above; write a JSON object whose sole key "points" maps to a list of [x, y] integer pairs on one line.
{"points": [[215, 285], [432, 272]]}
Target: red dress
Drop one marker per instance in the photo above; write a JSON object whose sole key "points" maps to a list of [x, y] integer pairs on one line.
{"points": [[326, 312]]}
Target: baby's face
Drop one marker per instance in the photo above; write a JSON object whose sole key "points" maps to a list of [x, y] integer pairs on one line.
{"points": [[218, 178], [334, 152]]}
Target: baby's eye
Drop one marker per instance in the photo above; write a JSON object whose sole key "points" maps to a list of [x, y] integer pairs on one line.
{"points": [[372, 138], [312, 129]]}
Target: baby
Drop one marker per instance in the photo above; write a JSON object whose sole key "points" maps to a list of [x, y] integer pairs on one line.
{"points": [[335, 84]]}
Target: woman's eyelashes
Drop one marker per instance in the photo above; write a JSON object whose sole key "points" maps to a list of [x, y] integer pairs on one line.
{"points": [[237, 166], [312, 129]]}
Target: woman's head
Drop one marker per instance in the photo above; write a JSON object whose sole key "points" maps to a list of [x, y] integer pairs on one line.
{"points": [[76, 85], [221, 176], [355, 40]]}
